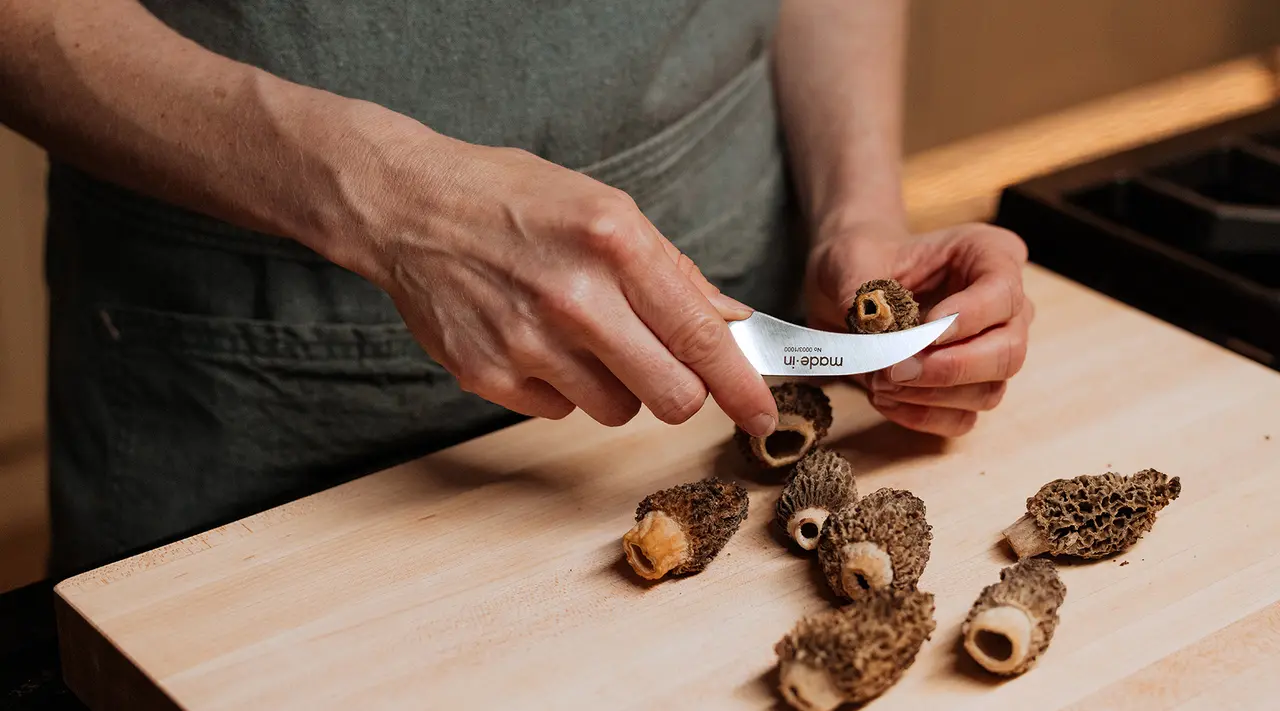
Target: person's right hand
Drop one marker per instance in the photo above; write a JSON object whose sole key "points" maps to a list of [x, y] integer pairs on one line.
{"points": [[542, 289]]}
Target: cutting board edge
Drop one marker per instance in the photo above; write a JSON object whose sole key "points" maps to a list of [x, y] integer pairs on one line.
{"points": [[99, 674]]}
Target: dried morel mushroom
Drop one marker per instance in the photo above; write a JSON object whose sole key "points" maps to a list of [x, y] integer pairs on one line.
{"points": [[1012, 622], [820, 484], [853, 654], [881, 541], [804, 417], [882, 305], [1091, 516], [681, 529]]}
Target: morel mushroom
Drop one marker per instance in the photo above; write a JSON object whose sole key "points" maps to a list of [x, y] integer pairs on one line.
{"points": [[820, 484], [681, 529], [1091, 516], [881, 541], [882, 305], [853, 654], [804, 417], [1012, 621]]}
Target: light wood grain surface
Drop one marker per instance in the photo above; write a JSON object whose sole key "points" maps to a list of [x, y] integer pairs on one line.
{"points": [[491, 575]]}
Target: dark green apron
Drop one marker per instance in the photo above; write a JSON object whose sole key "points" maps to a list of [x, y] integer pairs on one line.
{"points": [[200, 372]]}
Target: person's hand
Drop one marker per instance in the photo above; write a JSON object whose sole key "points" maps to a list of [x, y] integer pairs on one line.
{"points": [[543, 290], [973, 269]]}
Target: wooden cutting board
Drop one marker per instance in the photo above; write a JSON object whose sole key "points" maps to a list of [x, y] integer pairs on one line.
{"points": [[491, 575]]}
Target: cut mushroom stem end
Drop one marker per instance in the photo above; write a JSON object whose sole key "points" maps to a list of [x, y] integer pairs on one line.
{"points": [[873, 312], [805, 527], [790, 441], [655, 545], [999, 639], [1026, 539], [866, 566], [808, 688]]}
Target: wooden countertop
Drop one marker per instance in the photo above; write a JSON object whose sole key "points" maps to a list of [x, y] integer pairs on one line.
{"points": [[491, 575]]}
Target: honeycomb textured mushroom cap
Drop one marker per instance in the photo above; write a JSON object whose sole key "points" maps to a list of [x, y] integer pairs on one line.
{"points": [[705, 514], [1092, 516], [882, 540], [820, 484], [853, 654], [804, 419], [1012, 622], [882, 305]]}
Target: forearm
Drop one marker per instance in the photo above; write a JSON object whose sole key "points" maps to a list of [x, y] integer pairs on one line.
{"points": [[839, 68], [109, 88]]}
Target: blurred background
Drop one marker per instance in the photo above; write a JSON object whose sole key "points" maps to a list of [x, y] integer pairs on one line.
{"points": [[974, 67]]}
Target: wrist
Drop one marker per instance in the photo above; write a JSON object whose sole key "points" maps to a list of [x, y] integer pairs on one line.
{"points": [[885, 218], [359, 156]]}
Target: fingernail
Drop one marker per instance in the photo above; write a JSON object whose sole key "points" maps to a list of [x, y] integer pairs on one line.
{"points": [[882, 384], [883, 403], [729, 307], [906, 371], [762, 425], [948, 334]]}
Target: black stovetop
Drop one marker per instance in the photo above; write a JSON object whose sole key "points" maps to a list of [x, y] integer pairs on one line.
{"points": [[1186, 229]]}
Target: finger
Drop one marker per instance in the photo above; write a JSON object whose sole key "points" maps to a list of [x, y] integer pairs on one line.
{"points": [[993, 296], [976, 398], [730, 309], [697, 335], [532, 397], [587, 383], [941, 421], [996, 355]]}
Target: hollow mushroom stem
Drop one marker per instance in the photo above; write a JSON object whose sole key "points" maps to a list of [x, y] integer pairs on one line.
{"points": [[655, 545], [808, 688], [866, 566], [790, 441], [873, 312], [806, 525], [999, 638], [1026, 539]]}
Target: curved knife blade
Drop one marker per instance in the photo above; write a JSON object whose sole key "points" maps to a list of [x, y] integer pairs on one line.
{"points": [[776, 347]]}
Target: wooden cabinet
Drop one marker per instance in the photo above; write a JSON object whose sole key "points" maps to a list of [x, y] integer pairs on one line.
{"points": [[23, 316]]}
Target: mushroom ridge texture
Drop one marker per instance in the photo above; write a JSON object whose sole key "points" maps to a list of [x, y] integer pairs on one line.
{"points": [[853, 654], [819, 485], [881, 540], [1020, 613], [881, 306], [1092, 516], [804, 419], [681, 529]]}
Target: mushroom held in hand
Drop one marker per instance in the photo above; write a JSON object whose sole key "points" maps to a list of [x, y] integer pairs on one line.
{"points": [[820, 484], [1092, 516], [853, 654], [804, 417], [681, 529], [882, 305], [1012, 622], [881, 541]]}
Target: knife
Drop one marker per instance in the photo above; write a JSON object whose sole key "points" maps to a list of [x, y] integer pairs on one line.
{"points": [[778, 348]]}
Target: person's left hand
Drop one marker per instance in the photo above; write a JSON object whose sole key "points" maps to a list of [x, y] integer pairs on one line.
{"points": [[972, 269]]}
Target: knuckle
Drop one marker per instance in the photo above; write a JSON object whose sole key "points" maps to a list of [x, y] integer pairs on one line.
{"points": [[697, 340], [993, 396], [608, 225], [570, 299], [1008, 241], [1012, 357], [680, 402], [948, 370], [619, 413], [487, 382], [524, 344]]}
